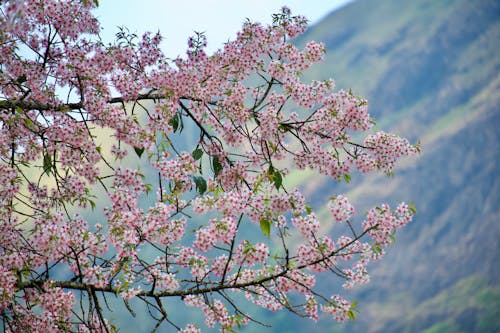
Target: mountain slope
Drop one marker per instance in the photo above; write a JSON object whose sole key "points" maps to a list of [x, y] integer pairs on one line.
{"points": [[430, 70]]}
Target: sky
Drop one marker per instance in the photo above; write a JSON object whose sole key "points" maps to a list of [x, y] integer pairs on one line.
{"points": [[219, 19]]}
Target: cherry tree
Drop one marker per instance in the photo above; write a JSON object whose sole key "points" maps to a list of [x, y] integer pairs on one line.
{"points": [[98, 200]]}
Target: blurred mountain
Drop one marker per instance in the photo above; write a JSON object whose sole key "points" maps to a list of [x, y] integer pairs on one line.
{"points": [[431, 72]]}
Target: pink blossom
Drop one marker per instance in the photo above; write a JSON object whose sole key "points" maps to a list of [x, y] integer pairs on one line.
{"points": [[85, 125], [341, 208]]}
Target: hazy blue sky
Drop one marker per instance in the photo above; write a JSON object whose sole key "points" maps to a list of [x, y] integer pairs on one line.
{"points": [[220, 19]]}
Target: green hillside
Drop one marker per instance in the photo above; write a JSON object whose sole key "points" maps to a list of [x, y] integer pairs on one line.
{"points": [[431, 71]]}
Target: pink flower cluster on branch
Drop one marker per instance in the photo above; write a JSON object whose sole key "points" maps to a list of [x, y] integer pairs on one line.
{"points": [[98, 198]]}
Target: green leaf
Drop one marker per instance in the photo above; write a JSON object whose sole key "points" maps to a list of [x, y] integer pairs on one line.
{"points": [[240, 319], [347, 177], [148, 188], [47, 163], [272, 146], [174, 122], [201, 184], [29, 124], [308, 209], [277, 179], [216, 165], [351, 315], [392, 238], [285, 127], [265, 226], [412, 208], [247, 247], [139, 151], [21, 79], [292, 264], [376, 248], [197, 153]]}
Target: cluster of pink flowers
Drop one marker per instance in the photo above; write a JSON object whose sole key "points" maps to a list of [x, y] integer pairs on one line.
{"points": [[338, 308], [248, 254], [61, 88], [384, 150], [215, 312], [311, 307], [307, 225], [381, 222], [58, 305], [190, 328], [7, 287], [9, 185], [317, 255], [341, 208], [220, 230], [296, 280], [178, 169], [54, 311]]}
